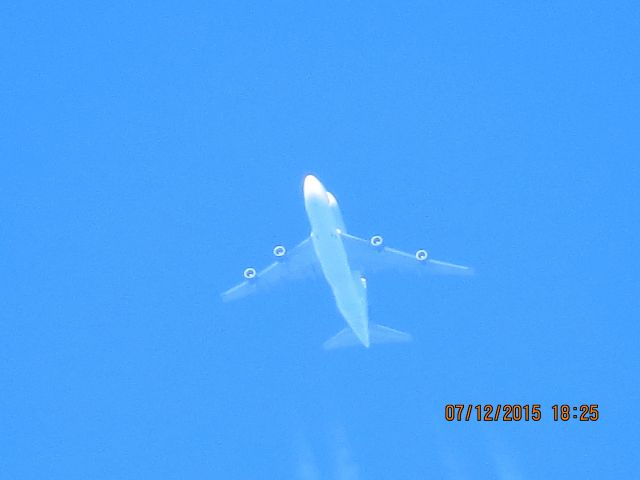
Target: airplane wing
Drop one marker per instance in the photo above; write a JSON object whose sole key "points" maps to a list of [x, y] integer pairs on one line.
{"points": [[298, 263], [365, 257]]}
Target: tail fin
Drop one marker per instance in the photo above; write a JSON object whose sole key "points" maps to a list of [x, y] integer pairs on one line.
{"points": [[377, 334]]}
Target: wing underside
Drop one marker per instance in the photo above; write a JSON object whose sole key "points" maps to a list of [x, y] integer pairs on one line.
{"points": [[366, 258], [299, 263]]}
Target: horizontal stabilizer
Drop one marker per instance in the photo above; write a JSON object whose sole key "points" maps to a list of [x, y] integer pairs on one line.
{"points": [[377, 334]]}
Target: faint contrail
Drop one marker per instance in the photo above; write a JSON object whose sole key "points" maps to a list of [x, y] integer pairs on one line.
{"points": [[307, 468], [346, 468]]}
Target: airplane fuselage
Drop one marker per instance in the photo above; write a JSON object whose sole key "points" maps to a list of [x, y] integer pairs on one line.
{"points": [[344, 260], [349, 289]]}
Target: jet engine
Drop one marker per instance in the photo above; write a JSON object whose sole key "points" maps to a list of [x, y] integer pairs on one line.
{"points": [[279, 251], [422, 255], [250, 273], [377, 242]]}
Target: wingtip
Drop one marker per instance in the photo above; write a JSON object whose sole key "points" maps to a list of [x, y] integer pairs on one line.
{"points": [[227, 296]]}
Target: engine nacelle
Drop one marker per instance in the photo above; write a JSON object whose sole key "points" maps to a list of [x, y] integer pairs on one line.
{"points": [[279, 251], [377, 242], [422, 255], [250, 273]]}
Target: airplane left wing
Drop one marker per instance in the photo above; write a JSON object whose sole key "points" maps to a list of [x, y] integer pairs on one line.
{"points": [[366, 257], [298, 263]]}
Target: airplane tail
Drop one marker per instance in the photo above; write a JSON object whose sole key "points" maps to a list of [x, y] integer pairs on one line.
{"points": [[377, 334]]}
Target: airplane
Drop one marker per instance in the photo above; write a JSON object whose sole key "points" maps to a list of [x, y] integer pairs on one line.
{"points": [[343, 260]]}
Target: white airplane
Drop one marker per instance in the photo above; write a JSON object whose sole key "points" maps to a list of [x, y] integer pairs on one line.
{"points": [[343, 260]]}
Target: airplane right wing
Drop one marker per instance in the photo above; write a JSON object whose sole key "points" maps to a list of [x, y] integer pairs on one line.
{"points": [[365, 257], [300, 262]]}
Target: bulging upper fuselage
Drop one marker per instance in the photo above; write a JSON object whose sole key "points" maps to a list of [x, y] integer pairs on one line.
{"points": [[349, 289]]}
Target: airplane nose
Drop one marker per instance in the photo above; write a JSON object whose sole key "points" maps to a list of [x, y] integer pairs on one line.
{"points": [[313, 187]]}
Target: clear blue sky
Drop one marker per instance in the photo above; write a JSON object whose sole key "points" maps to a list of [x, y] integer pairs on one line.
{"points": [[150, 152]]}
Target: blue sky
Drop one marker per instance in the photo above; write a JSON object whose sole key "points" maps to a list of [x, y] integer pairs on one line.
{"points": [[151, 152]]}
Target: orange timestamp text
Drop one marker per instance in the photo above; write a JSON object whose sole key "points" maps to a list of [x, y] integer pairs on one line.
{"points": [[518, 412]]}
